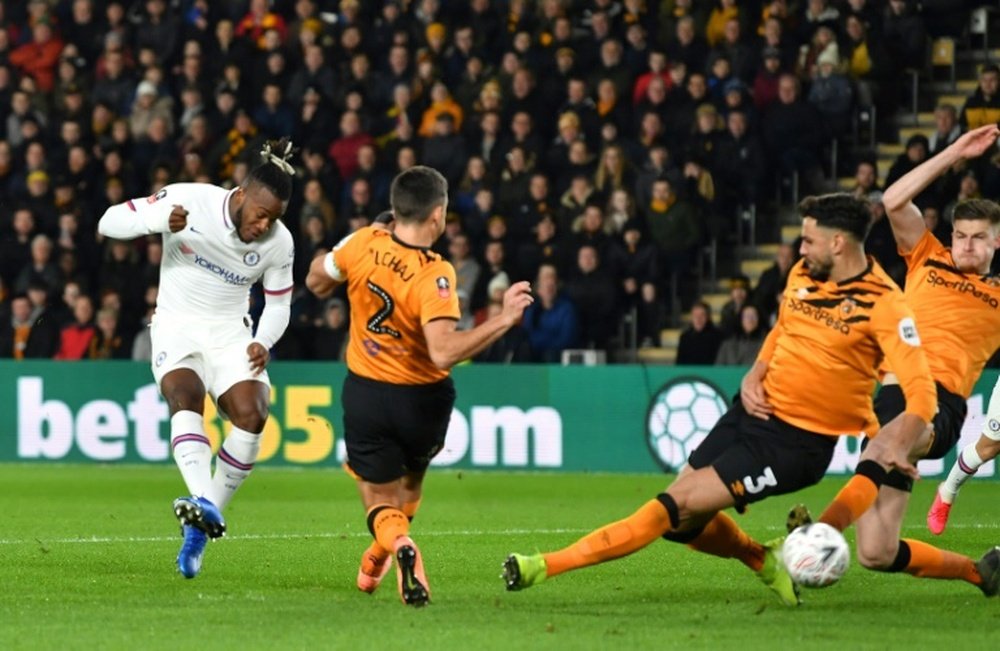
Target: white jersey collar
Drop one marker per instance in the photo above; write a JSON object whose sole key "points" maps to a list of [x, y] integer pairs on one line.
{"points": [[226, 218]]}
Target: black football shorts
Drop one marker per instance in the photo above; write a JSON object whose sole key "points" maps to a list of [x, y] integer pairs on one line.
{"points": [[759, 458], [391, 429]]}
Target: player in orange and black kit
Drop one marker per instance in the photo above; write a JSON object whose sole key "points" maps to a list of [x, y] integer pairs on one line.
{"points": [[952, 296], [398, 395], [813, 381]]}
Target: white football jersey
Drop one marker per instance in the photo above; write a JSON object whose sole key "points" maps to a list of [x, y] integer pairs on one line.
{"points": [[207, 270]]}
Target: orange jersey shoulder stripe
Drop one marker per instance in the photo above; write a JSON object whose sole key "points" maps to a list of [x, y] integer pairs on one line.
{"points": [[394, 289], [823, 361], [958, 314]]}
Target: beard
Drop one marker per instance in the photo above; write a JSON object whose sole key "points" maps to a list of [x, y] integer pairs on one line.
{"points": [[237, 218], [819, 270]]}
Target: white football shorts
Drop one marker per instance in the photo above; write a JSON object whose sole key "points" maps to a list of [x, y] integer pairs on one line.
{"points": [[215, 350]]}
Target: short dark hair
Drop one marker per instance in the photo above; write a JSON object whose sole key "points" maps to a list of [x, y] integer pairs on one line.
{"points": [[977, 209], [275, 173], [840, 211], [416, 192]]}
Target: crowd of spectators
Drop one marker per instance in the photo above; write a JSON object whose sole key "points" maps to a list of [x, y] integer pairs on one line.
{"points": [[592, 146]]}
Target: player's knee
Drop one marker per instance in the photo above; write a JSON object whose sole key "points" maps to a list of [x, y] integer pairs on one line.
{"points": [[988, 448], [877, 555], [185, 399], [250, 416]]}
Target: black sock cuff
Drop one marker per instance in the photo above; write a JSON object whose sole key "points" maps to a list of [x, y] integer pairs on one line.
{"points": [[671, 506], [683, 537], [898, 480], [372, 514], [873, 471], [902, 558]]}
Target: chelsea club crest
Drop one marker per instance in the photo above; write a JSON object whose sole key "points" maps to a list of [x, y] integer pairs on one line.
{"points": [[251, 258]]}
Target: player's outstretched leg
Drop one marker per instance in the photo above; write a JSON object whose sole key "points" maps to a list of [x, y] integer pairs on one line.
{"points": [[200, 513], [192, 550], [520, 572], [774, 575], [376, 562], [857, 495], [989, 570], [413, 587], [966, 466]]}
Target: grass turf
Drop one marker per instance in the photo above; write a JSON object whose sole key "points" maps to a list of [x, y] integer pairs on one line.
{"points": [[88, 562]]}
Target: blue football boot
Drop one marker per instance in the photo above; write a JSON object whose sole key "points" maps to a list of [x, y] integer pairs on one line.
{"points": [[201, 514], [189, 558]]}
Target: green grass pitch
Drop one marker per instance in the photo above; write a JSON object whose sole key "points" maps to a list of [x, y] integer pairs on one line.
{"points": [[88, 563]]}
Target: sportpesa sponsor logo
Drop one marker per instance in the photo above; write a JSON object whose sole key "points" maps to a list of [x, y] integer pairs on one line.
{"points": [[230, 277], [962, 286], [819, 314]]}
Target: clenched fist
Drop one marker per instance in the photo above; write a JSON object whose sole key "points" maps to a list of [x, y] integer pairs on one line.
{"points": [[178, 219]]}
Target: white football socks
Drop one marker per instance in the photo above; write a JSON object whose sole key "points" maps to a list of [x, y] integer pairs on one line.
{"points": [[966, 465], [192, 451], [233, 465]]}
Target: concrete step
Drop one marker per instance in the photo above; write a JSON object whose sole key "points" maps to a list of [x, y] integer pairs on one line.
{"points": [[670, 337], [764, 251], [977, 55], [716, 301], [752, 269], [657, 355], [905, 133], [941, 86], [922, 120], [883, 165], [891, 151], [956, 100]]}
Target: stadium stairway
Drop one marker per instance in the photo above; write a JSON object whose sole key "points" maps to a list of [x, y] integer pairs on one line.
{"points": [[758, 258]]}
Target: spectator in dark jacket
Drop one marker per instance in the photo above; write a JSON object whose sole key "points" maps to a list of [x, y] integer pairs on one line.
{"points": [[551, 321], [772, 283], [593, 291], [983, 107], [699, 343], [741, 348], [794, 135], [635, 263], [28, 334]]}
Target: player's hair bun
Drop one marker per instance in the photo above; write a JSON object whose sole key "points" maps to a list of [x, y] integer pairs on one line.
{"points": [[279, 152]]}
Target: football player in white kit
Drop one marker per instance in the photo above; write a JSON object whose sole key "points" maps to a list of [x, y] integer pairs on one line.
{"points": [[216, 244]]}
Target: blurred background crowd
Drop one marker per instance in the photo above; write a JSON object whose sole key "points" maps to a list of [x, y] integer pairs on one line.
{"points": [[597, 148]]}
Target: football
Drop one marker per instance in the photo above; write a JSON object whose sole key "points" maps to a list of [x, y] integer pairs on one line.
{"points": [[816, 555]]}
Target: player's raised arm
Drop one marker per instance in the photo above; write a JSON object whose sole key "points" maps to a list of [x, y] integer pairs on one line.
{"points": [[899, 340], [907, 223], [138, 217], [448, 346]]}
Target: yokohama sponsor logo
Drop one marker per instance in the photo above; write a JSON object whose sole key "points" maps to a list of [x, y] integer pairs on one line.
{"points": [[230, 277], [962, 286], [819, 315]]}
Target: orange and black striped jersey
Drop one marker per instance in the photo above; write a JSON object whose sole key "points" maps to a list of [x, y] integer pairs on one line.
{"points": [[824, 352], [958, 315], [394, 289]]}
